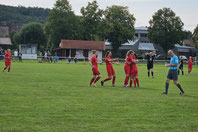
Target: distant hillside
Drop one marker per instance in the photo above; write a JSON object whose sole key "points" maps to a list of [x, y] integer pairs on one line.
{"points": [[22, 15]]}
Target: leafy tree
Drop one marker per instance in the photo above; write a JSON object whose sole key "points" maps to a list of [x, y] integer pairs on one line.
{"points": [[62, 24], [23, 15], [195, 37], [119, 26], [166, 29], [31, 33], [92, 17]]}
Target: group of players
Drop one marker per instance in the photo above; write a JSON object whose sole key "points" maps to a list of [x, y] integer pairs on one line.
{"points": [[130, 68]]}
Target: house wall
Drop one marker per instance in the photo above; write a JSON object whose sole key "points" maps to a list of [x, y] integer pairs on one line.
{"points": [[100, 55]]}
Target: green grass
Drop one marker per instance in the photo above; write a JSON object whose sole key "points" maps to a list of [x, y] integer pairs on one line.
{"points": [[56, 97]]}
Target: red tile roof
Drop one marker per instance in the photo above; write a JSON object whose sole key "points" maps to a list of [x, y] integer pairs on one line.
{"points": [[82, 44]]}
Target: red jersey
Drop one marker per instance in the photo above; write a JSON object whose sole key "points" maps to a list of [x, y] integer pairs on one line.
{"points": [[134, 66], [94, 62], [128, 59], [190, 62], [108, 62], [8, 56]]}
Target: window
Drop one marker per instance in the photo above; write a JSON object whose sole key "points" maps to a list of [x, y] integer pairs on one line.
{"points": [[29, 49], [23, 49], [33, 49]]}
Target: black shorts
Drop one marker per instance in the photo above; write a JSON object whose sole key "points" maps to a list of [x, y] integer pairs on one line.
{"points": [[149, 66], [172, 74]]}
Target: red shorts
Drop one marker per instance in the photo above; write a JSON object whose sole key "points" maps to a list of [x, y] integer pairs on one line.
{"points": [[95, 71], [8, 63], [190, 67], [134, 73], [127, 69], [110, 71]]}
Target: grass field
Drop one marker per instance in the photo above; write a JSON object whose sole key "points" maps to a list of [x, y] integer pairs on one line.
{"points": [[56, 97]]}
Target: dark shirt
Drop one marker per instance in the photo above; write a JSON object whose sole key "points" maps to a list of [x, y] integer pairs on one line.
{"points": [[181, 62], [150, 59]]}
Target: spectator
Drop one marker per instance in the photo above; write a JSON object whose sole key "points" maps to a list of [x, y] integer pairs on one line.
{"points": [[56, 59], [1, 54], [45, 56], [49, 58], [69, 59], [15, 55], [76, 59], [20, 57]]}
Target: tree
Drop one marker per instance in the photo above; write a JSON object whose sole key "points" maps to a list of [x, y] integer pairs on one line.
{"points": [[195, 37], [119, 26], [166, 29], [92, 17], [62, 24], [31, 33]]}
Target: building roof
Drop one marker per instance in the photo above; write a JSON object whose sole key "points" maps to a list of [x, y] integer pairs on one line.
{"points": [[141, 28], [5, 41], [82, 44], [146, 46]]}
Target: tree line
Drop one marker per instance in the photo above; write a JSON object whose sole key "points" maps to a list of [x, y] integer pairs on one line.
{"points": [[23, 15], [114, 24]]}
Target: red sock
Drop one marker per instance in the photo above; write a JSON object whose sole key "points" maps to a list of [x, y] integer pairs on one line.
{"points": [[9, 69], [137, 80], [135, 83], [96, 79], [131, 81], [92, 81], [126, 80], [107, 79], [113, 81]]}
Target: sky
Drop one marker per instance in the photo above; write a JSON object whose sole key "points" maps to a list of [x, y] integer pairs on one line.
{"points": [[143, 10]]}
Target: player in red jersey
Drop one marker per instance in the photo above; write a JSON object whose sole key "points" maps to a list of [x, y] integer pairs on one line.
{"points": [[93, 62], [7, 60], [110, 69], [190, 63], [127, 67], [134, 72]]}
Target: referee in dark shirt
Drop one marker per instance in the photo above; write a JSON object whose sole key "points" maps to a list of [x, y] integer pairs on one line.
{"points": [[150, 58], [172, 73], [181, 65]]}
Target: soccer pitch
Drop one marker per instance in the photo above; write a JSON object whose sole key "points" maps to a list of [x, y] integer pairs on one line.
{"points": [[57, 97]]}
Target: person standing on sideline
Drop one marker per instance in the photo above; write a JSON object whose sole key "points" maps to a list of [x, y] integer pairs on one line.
{"points": [[76, 59], [181, 65], [20, 57], [190, 63], [15, 55], [7, 56], [150, 58], [94, 64], [172, 73], [110, 70]]}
